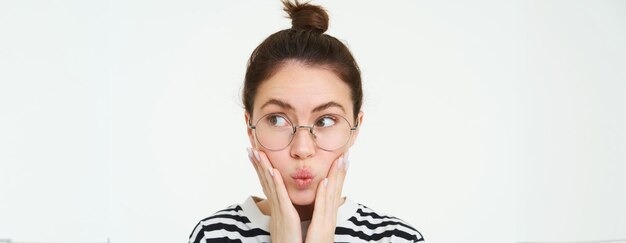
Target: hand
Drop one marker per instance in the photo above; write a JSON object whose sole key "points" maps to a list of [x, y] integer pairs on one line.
{"points": [[327, 202], [284, 220]]}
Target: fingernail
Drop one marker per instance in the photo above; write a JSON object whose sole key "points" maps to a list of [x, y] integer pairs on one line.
{"points": [[256, 155], [346, 155], [340, 165], [249, 153], [271, 171], [325, 182], [347, 164]]}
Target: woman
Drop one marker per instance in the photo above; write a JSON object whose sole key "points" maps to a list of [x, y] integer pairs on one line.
{"points": [[302, 97]]}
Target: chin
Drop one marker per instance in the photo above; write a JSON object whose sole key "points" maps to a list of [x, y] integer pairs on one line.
{"points": [[302, 197]]}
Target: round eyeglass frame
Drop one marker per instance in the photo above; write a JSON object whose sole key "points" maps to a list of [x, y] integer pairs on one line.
{"points": [[295, 129]]}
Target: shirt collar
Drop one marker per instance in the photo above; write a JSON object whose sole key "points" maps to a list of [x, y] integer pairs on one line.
{"points": [[259, 220]]}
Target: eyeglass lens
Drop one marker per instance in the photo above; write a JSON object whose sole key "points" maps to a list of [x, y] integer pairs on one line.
{"points": [[276, 131]]}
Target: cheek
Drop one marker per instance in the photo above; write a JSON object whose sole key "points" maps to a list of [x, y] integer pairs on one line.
{"points": [[278, 160], [329, 160]]}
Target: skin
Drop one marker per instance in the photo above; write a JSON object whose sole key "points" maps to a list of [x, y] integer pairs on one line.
{"points": [[303, 88]]}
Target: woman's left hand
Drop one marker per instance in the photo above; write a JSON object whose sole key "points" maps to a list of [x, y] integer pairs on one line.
{"points": [[327, 202]]}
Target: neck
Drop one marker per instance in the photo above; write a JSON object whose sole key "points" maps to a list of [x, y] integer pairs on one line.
{"points": [[305, 212]]}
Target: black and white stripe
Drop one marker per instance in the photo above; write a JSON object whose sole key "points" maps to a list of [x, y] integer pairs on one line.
{"points": [[355, 223], [368, 226], [228, 225]]}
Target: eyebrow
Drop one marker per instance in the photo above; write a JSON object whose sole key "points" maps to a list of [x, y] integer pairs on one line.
{"points": [[287, 106]]}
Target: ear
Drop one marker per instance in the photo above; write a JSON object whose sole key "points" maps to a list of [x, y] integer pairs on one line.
{"points": [[249, 130], [355, 134]]}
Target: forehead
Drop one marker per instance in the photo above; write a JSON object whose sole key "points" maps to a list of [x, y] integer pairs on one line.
{"points": [[304, 87]]}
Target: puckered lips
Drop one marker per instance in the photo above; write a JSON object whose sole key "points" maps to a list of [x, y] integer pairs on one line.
{"points": [[303, 178]]}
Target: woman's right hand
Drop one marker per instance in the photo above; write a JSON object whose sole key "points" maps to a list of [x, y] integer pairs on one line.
{"points": [[284, 220]]}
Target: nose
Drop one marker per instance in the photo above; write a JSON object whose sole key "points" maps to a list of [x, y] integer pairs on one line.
{"points": [[303, 145]]}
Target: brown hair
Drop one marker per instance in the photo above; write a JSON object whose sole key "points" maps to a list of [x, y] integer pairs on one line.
{"points": [[304, 42]]}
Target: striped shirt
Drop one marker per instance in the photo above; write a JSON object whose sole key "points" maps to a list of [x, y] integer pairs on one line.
{"points": [[355, 223]]}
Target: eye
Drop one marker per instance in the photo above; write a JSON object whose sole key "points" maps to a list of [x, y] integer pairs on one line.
{"points": [[277, 121], [326, 121]]}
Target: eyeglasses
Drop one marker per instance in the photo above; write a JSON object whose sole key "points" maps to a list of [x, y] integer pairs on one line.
{"points": [[275, 131]]}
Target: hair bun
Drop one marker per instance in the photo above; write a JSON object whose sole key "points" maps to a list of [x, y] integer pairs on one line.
{"points": [[305, 16]]}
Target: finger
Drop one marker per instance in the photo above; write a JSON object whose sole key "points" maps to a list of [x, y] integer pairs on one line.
{"points": [[259, 171], [341, 176], [281, 190], [267, 170], [252, 160], [264, 176], [320, 198], [336, 176], [261, 157]]}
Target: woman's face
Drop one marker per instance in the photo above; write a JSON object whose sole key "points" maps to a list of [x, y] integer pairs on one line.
{"points": [[295, 91]]}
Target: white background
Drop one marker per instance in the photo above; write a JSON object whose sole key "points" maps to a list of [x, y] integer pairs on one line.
{"points": [[485, 121]]}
